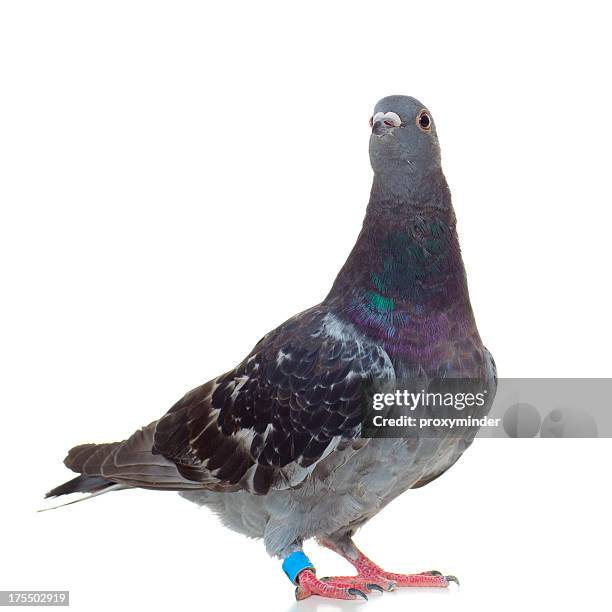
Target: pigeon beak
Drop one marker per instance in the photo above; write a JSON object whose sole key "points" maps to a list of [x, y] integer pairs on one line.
{"points": [[379, 128]]}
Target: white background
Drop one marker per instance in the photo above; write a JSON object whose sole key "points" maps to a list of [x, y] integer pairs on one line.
{"points": [[179, 178]]}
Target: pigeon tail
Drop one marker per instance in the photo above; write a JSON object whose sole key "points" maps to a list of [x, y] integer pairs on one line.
{"points": [[121, 465], [86, 459]]}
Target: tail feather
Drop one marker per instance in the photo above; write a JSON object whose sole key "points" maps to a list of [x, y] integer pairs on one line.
{"points": [[112, 487], [122, 465], [81, 484], [88, 458]]}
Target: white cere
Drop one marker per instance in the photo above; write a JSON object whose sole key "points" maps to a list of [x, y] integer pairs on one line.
{"points": [[389, 118]]}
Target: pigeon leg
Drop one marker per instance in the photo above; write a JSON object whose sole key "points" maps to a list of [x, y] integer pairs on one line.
{"points": [[369, 573]]}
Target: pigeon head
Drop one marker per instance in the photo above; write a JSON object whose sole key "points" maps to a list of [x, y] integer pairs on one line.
{"points": [[404, 146]]}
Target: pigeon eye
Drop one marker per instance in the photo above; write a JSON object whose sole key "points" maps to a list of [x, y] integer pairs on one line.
{"points": [[424, 121]]}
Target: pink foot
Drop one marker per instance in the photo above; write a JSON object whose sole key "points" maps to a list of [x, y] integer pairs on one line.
{"points": [[371, 575], [375, 574], [366, 567], [386, 581], [309, 584]]}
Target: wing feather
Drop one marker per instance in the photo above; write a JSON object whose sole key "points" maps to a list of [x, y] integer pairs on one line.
{"points": [[299, 394]]}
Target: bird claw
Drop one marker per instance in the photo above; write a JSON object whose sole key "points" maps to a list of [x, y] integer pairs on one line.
{"points": [[358, 593], [449, 578], [375, 587]]}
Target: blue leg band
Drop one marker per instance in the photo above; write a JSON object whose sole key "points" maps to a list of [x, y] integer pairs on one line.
{"points": [[295, 563]]}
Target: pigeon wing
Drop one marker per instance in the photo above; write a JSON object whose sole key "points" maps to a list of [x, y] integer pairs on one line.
{"points": [[297, 397]]}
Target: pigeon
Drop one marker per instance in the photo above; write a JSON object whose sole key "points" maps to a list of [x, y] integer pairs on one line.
{"points": [[275, 447]]}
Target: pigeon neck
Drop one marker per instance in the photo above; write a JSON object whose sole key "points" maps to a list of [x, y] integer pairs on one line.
{"points": [[407, 191], [405, 271]]}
